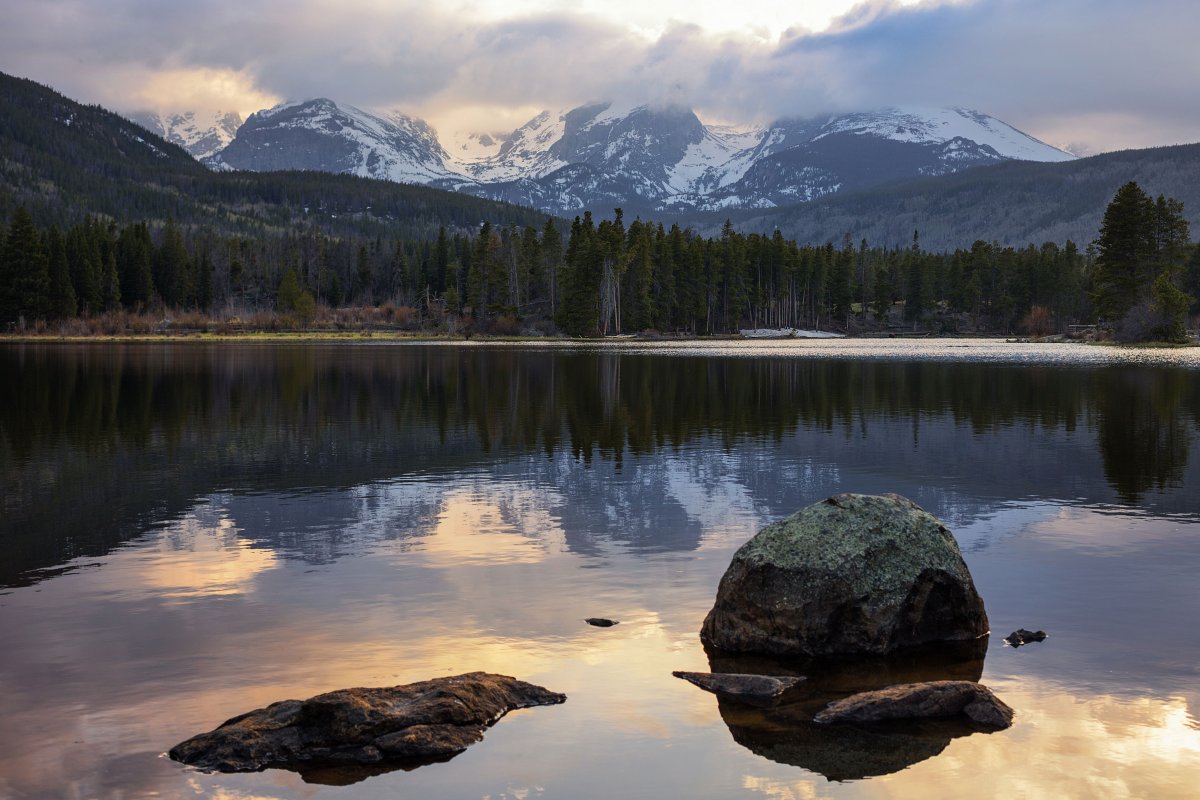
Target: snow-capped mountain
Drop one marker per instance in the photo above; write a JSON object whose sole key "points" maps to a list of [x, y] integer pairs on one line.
{"points": [[202, 135], [642, 158], [324, 136], [803, 159], [598, 154]]}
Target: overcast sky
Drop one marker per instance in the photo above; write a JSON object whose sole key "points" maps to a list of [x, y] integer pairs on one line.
{"points": [[1092, 74]]}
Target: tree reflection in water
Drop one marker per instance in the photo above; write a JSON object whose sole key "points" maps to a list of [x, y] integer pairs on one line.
{"points": [[97, 442]]}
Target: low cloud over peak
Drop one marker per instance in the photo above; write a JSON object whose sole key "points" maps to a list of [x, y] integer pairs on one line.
{"points": [[1102, 74]]}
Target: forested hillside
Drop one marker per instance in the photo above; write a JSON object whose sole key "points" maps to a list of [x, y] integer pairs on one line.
{"points": [[1015, 203]]}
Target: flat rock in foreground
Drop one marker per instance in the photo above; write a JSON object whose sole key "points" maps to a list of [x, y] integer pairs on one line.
{"points": [[752, 689], [922, 701], [421, 722], [854, 574]]}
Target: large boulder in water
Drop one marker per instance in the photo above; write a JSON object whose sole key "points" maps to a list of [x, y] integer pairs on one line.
{"points": [[852, 574]]}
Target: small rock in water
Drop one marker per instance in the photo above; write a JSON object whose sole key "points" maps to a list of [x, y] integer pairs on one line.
{"points": [[418, 723], [756, 690], [1021, 636], [922, 700], [601, 622]]}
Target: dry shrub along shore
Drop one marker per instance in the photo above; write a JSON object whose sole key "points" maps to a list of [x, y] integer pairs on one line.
{"points": [[386, 318]]}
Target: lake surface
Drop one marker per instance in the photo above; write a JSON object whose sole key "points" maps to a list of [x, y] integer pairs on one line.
{"points": [[191, 531]]}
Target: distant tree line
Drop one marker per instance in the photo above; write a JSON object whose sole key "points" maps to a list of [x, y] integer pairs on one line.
{"points": [[95, 267], [1142, 276]]}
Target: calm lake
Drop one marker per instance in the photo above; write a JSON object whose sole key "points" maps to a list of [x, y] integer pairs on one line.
{"points": [[191, 531]]}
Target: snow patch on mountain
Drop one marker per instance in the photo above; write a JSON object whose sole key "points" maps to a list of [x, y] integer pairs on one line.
{"points": [[944, 125], [201, 134]]}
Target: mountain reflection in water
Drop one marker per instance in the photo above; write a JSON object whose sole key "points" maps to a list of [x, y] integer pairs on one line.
{"points": [[100, 441], [193, 531]]}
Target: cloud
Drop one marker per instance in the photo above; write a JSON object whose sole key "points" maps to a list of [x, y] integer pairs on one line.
{"points": [[1097, 73]]}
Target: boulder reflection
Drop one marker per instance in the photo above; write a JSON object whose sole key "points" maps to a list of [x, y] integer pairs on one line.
{"points": [[349, 774], [786, 733]]}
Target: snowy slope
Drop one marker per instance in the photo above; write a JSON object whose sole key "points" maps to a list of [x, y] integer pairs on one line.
{"points": [[325, 136], [471, 147], [202, 135], [716, 161], [944, 125], [525, 153]]}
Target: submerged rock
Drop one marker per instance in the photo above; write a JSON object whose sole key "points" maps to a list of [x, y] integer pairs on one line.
{"points": [[852, 574], [417, 723], [753, 689], [1021, 637], [922, 701], [785, 732], [601, 622]]}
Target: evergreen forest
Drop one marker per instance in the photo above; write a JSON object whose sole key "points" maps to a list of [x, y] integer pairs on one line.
{"points": [[606, 278]]}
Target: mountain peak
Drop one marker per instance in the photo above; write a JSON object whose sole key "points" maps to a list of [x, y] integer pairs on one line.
{"points": [[320, 134]]}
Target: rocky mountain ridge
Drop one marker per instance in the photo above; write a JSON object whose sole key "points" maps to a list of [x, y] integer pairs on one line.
{"points": [[643, 158]]}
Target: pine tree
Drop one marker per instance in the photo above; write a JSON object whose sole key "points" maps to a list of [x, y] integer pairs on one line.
{"points": [[914, 297], [62, 293], [396, 283], [204, 281], [578, 313], [840, 293], [479, 273], [110, 281], [363, 281], [1125, 246], [83, 257], [172, 268], [552, 253], [135, 266], [610, 257], [24, 272], [1170, 305], [442, 255], [1191, 279], [884, 294]]}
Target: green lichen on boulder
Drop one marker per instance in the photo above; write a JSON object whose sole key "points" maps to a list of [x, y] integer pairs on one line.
{"points": [[852, 574]]}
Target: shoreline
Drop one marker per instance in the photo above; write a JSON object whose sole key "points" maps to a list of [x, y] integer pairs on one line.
{"points": [[397, 337]]}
